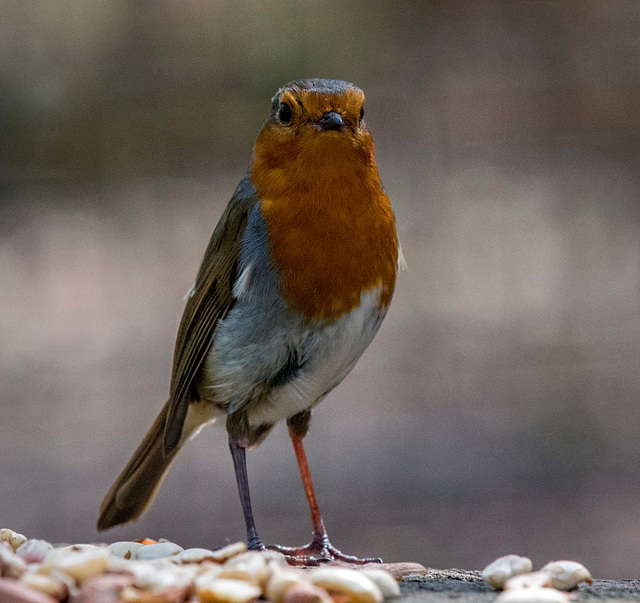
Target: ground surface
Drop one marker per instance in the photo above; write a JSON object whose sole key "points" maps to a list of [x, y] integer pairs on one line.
{"points": [[461, 585]]}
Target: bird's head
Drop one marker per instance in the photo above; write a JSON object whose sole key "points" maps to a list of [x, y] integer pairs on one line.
{"points": [[314, 124]]}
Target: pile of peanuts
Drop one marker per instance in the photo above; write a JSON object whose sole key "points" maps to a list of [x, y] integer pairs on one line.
{"points": [[34, 571], [514, 575]]}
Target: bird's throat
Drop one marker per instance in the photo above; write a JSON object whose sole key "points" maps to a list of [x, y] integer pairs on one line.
{"points": [[335, 232]]}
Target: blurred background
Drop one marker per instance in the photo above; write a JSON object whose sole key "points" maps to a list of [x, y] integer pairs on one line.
{"points": [[497, 411]]}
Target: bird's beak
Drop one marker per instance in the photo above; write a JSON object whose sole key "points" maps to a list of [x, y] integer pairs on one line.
{"points": [[331, 121]]}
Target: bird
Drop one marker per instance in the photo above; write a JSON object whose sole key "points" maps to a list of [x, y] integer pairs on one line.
{"points": [[294, 284]]}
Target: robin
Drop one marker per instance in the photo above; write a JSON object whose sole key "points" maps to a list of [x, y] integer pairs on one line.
{"points": [[293, 286]]}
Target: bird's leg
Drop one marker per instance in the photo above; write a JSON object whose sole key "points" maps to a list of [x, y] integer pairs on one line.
{"points": [[320, 548], [238, 453]]}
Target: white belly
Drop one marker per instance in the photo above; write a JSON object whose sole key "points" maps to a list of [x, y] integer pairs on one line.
{"points": [[332, 354]]}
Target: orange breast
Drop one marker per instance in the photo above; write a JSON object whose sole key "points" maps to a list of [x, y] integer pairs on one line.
{"points": [[331, 228]]}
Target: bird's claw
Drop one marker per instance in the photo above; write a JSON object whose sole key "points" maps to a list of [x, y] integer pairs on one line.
{"points": [[318, 552], [255, 544]]}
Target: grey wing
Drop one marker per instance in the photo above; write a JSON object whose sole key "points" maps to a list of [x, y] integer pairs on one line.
{"points": [[209, 301]]}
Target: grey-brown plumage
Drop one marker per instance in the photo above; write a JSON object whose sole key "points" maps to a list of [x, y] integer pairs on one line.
{"points": [[136, 486]]}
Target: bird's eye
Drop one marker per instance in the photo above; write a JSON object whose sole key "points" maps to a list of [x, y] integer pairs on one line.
{"points": [[362, 114], [284, 113]]}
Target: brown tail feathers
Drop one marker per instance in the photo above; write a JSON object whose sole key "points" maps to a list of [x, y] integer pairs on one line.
{"points": [[138, 483]]}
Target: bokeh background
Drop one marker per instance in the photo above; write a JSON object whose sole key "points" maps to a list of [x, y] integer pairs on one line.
{"points": [[497, 411]]}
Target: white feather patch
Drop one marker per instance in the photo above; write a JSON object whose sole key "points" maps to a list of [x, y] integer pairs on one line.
{"points": [[402, 263], [199, 415], [242, 283]]}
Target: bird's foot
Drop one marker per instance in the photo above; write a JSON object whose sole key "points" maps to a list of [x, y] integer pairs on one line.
{"points": [[255, 544], [317, 552]]}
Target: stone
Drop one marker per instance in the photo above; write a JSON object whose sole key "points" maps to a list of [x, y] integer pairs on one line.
{"points": [[176, 594], [221, 590], [304, 592], [281, 580], [13, 538], [532, 595], [12, 591], [350, 583], [387, 584], [33, 550], [124, 549], [398, 570], [80, 561], [250, 567], [531, 580], [227, 552], [158, 551], [54, 587], [11, 565], [102, 589], [499, 571], [194, 556], [566, 575]]}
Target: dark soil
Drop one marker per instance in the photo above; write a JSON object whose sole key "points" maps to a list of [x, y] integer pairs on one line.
{"points": [[462, 585]]}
